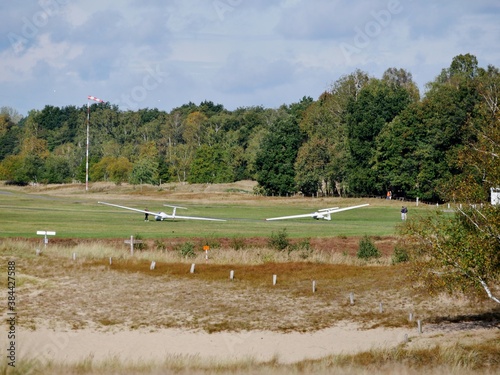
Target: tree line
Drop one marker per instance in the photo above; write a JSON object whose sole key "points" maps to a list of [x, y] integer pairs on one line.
{"points": [[365, 136]]}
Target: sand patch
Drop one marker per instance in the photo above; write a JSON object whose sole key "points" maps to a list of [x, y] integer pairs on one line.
{"points": [[135, 345]]}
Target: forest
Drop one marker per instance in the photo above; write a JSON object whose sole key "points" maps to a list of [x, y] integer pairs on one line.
{"points": [[364, 136]]}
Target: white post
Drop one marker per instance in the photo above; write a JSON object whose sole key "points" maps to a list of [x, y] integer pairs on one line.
{"points": [[314, 286], [419, 326], [351, 298], [380, 308], [417, 201], [410, 317], [231, 275], [74, 256], [275, 279], [110, 261], [192, 268], [132, 245], [153, 265]]}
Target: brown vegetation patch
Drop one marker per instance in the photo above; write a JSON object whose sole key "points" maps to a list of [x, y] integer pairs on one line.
{"points": [[128, 294]]}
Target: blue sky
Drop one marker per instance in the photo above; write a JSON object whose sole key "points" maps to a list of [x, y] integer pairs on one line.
{"points": [[239, 53]]}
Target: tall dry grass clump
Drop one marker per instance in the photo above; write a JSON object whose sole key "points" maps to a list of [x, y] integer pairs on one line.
{"points": [[185, 253]]}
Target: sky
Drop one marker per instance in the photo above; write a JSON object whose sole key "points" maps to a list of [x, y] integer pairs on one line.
{"points": [[238, 53]]}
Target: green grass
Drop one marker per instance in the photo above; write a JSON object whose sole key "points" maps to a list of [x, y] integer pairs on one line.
{"points": [[21, 215]]}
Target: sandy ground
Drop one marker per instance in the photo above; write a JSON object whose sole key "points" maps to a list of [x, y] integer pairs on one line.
{"points": [[135, 345], [156, 346]]}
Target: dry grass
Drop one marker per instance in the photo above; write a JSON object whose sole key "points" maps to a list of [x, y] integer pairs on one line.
{"points": [[208, 300]]}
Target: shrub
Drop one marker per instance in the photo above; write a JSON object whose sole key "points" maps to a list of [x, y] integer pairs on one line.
{"points": [[141, 245], [400, 255], [279, 241], [237, 243], [186, 250], [367, 249]]}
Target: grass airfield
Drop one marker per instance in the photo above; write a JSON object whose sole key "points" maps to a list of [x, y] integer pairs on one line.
{"points": [[74, 213], [124, 298]]}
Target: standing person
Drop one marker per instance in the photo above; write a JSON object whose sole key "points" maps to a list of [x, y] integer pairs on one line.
{"points": [[146, 215], [404, 211]]}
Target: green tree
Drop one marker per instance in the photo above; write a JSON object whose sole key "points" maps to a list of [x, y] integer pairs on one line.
{"points": [[312, 161], [276, 158], [210, 165], [144, 171], [119, 170], [99, 170], [194, 128], [11, 169], [378, 103], [56, 169], [181, 157], [9, 136], [461, 251], [417, 153]]}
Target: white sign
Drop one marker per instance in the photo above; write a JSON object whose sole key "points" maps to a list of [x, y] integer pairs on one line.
{"points": [[495, 196], [45, 233]]}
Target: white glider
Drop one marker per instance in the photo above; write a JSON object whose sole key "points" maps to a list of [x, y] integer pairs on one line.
{"points": [[160, 216], [320, 214]]}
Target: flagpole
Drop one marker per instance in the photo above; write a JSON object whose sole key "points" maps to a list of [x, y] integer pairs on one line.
{"points": [[89, 97], [87, 151]]}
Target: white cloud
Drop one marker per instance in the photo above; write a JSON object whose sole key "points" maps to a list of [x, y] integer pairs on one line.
{"points": [[237, 53]]}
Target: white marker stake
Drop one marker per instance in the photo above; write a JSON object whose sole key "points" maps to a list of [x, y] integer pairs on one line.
{"points": [[380, 308], [110, 261], [275, 279], [314, 286], [192, 268], [74, 256], [231, 275], [351, 298], [419, 326], [153, 265]]}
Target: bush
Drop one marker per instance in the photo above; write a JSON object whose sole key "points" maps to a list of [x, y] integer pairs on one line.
{"points": [[186, 250], [400, 255], [141, 245], [237, 243], [279, 241], [367, 249]]}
